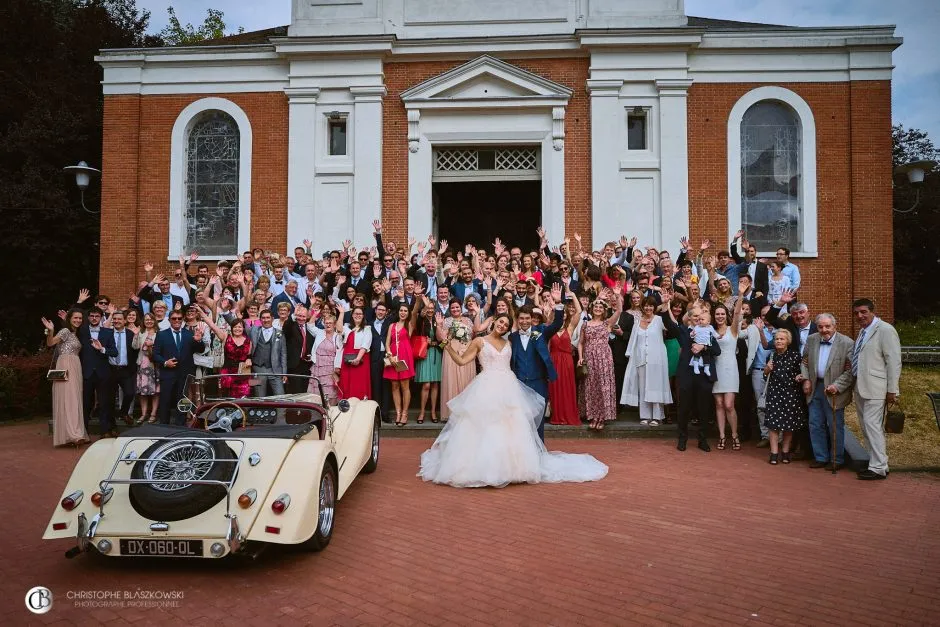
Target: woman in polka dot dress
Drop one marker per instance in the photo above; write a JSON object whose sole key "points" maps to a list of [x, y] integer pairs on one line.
{"points": [[786, 411]]}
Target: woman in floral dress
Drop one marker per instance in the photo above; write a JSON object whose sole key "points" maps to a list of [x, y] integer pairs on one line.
{"points": [[598, 394], [326, 355], [148, 381], [457, 330]]}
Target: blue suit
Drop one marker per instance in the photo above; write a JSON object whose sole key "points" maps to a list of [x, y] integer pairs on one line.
{"points": [[96, 375], [533, 365], [173, 380]]}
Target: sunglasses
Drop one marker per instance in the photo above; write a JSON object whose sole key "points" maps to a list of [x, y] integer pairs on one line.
{"points": [[103, 302], [175, 318]]}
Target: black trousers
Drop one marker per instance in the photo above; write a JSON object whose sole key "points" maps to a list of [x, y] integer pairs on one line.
{"points": [[381, 389], [298, 385], [695, 398], [171, 391], [123, 378], [96, 387]]}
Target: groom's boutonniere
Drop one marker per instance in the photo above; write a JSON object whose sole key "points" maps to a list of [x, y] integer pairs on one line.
{"points": [[535, 335]]}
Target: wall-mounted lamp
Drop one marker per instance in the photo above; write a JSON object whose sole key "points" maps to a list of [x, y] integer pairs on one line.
{"points": [[83, 173], [915, 171]]}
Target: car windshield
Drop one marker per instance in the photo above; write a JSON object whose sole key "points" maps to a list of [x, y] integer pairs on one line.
{"points": [[257, 414]]}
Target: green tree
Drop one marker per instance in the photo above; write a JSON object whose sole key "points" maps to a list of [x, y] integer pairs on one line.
{"points": [[175, 34], [916, 245], [51, 116]]}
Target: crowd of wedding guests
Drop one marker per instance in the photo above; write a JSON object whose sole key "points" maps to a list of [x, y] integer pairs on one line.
{"points": [[698, 339]]}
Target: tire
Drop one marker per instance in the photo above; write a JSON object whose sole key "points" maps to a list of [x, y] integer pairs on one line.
{"points": [[169, 502], [373, 462], [326, 512]]}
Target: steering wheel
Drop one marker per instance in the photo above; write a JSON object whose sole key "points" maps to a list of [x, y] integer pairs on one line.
{"points": [[225, 420]]}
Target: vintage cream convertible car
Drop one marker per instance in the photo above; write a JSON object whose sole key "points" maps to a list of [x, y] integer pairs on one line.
{"points": [[248, 472]]}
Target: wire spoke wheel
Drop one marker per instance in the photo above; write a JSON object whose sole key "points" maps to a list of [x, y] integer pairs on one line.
{"points": [[183, 460]]}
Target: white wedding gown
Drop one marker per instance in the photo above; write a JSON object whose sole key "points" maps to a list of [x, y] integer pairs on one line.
{"points": [[491, 438]]}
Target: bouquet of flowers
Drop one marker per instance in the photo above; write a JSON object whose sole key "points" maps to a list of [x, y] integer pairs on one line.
{"points": [[459, 332]]}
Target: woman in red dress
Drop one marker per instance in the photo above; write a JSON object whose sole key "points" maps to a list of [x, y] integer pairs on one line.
{"points": [[562, 392], [398, 349], [355, 379], [237, 351]]}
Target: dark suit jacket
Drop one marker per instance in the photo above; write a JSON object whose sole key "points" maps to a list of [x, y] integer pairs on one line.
{"points": [[150, 294], [535, 362], [683, 334], [294, 340], [95, 362], [376, 353], [618, 345], [164, 349], [773, 317], [284, 298], [130, 351]]}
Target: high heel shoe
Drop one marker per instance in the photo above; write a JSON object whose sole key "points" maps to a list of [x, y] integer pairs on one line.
{"points": [[735, 443], [786, 457], [773, 459], [721, 444]]}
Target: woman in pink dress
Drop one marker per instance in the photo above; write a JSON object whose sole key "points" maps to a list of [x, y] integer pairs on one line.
{"points": [[562, 392], [598, 388], [398, 350], [457, 331], [355, 378], [68, 425], [326, 355]]}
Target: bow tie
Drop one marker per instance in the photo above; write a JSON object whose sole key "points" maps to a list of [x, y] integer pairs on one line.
{"points": [[524, 333], [278, 282], [826, 343]]}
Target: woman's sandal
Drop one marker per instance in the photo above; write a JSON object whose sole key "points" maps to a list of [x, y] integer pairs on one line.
{"points": [[654, 423], [152, 420], [721, 444], [773, 459], [786, 457], [436, 420], [735, 443]]}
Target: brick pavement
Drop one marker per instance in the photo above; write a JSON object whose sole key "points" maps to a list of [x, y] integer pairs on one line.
{"points": [[666, 538]]}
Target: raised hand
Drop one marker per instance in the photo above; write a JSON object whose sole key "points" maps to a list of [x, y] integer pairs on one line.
{"points": [[83, 295], [198, 334], [62, 314], [443, 247], [706, 244], [624, 243], [411, 242], [738, 235], [787, 296], [432, 241], [377, 227], [742, 289], [159, 278], [148, 267], [439, 318], [421, 247], [577, 238], [540, 231], [556, 292], [352, 251], [193, 256], [346, 244], [48, 324], [219, 271], [419, 288], [684, 242], [308, 244], [633, 242]]}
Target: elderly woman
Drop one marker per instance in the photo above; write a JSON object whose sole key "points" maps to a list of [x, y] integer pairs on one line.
{"points": [[646, 382], [786, 410]]}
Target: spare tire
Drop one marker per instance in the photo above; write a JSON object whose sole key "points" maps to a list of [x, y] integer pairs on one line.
{"points": [[186, 460]]}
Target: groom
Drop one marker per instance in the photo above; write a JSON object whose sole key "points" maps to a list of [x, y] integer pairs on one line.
{"points": [[531, 361]]}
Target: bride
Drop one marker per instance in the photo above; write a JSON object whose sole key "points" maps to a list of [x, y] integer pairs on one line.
{"points": [[491, 438]]}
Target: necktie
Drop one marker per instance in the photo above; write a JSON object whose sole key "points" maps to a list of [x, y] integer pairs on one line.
{"points": [[303, 342], [119, 340], [858, 349], [177, 334]]}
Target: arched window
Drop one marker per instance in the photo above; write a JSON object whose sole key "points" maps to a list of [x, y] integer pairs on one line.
{"points": [[210, 180], [212, 163], [772, 171], [771, 176]]}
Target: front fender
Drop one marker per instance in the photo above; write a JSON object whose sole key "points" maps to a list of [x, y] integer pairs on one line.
{"points": [[299, 478]]}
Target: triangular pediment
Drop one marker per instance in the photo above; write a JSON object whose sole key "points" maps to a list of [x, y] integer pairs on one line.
{"points": [[486, 78]]}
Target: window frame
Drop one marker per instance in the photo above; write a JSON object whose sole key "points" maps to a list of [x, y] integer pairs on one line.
{"points": [[179, 144], [808, 196]]}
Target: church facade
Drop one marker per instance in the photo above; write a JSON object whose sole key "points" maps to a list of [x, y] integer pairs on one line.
{"points": [[491, 118]]}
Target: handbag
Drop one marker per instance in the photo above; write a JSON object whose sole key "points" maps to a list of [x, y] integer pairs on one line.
{"points": [[419, 346], [56, 374], [581, 371], [894, 418], [397, 364]]}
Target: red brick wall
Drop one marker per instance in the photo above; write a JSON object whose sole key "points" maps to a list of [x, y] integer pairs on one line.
{"points": [[853, 154], [136, 180], [571, 72]]}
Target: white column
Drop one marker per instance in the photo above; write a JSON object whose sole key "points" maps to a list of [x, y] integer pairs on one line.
{"points": [[301, 157], [420, 210], [605, 164], [553, 189], [367, 152], [674, 160]]}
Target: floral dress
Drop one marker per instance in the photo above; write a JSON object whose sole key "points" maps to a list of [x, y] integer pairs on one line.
{"points": [[598, 400], [324, 367], [148, 381]]}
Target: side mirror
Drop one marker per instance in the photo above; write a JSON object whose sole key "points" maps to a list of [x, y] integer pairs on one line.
{"points": [[343, 405], [185, 405]]}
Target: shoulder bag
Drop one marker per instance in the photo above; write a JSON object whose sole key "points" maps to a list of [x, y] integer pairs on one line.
{"points": [[419, 346], [56, 374]]}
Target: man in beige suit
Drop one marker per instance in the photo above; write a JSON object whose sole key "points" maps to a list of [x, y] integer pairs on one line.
{"points": [[827, 376], [876, 364]]}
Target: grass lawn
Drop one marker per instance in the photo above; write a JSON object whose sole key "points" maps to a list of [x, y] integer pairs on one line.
{"points": [[923, 332], [919, 445]]}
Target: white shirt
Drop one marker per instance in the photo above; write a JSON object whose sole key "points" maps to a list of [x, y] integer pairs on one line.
{"points": [[823, 357], [524, 338], [277, 288], [267, 333], [121, 343], [377, 326], [182, 292]]}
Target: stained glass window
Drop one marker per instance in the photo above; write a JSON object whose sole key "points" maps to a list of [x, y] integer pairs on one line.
{"points": [[212, 163], [771, 176]]}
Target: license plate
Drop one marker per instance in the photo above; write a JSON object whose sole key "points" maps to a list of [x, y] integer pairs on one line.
{"points": [[162, 547]]}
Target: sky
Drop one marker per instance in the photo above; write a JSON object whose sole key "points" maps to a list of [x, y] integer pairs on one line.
{"points": [[916, 85]]}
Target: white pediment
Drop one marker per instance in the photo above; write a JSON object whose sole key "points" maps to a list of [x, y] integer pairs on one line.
{"points": [[486, 82]]}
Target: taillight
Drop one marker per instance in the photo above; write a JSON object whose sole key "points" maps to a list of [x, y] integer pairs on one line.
{"points": [[59, 526], [100, 498], [72, 500], [280, 504], [274, 530], [247, 499]]}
